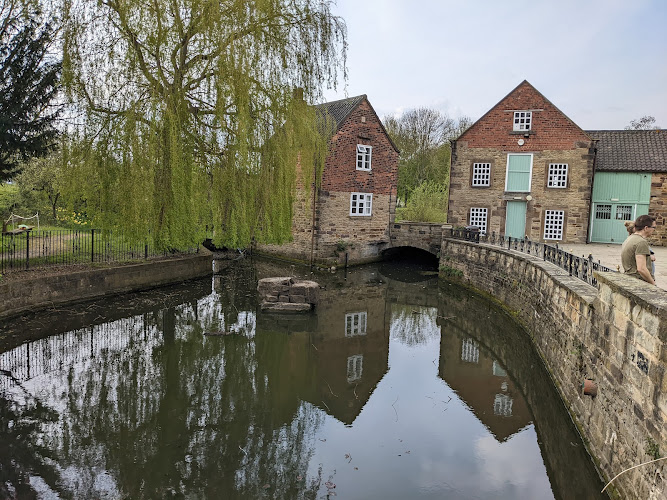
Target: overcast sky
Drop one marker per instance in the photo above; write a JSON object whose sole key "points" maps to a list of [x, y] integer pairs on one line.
{"points": [[601, 62]]}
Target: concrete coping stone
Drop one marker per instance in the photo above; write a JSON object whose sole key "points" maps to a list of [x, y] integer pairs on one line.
{"points": [[648, 296]]}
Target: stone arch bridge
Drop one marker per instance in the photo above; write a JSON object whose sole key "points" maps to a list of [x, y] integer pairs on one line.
{"points": [[423, 235]]}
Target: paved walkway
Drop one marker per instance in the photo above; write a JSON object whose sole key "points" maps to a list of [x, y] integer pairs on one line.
{"points": [[610, 255]]}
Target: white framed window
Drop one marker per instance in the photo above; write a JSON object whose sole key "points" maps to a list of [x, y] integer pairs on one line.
{"points": [[481, 174], [355, 324], [364, 154], [469, 351], [355, 367], [553, 224], [478, 218], [361, 204], [522, 120], [502, 405], [557, 175]]}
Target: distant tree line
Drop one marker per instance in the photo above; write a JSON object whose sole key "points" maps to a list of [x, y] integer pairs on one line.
{"points": [[423, 136]]}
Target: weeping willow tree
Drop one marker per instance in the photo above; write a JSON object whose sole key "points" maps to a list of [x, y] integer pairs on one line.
{"points": [[190, 115]]}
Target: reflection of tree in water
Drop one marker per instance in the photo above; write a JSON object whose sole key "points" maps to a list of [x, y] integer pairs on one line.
{"points": [[22, 456], [178, 413], [412, 325]]}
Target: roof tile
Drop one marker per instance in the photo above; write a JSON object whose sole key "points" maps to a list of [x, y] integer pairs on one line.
{"points": [[630, 150]]}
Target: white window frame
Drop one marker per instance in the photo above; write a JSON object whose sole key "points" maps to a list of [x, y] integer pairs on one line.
{"points": [[556, 171], [550, 220], [366, 201], [355, 368], [469, 350], [475, 216], [523, 121], [530, 175], [481, 174], [355, 324], [364, 155], [502, 405]]}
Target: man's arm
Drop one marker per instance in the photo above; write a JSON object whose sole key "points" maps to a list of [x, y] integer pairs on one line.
{"points": [[642, 270]]}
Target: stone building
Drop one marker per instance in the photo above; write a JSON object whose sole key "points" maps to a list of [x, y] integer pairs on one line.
{"points": [[355, 203], [630, 180], [523, 170]]}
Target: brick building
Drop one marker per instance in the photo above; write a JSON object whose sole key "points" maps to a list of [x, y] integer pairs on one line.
{"points": [[523, 169], [356, 201]]}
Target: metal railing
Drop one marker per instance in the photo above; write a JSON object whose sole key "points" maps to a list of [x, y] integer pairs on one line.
{"points": [[579, 267], [22, 250]]}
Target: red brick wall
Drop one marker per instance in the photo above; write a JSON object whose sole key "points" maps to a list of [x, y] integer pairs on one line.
{"points": [[341, 174], [550, 128]]}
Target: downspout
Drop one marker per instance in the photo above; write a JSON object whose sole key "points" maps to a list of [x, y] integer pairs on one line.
{"points": [[312, 224]]}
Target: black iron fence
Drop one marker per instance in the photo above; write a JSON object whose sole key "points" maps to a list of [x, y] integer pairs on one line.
{"points": [[20, 250], [579, 267]]}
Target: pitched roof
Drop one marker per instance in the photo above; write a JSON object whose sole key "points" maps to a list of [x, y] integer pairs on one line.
{"points": [[630, 150], [339, 110]]}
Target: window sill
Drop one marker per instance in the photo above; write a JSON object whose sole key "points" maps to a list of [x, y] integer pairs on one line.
{"points": [[522, 132]]}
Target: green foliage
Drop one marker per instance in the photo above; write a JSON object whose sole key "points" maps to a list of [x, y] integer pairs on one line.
{"points": [[422, 135], [427, 203], [9, 197], [450, 272], [41, 182], [191, 118], [29, 81], [652, 449]]}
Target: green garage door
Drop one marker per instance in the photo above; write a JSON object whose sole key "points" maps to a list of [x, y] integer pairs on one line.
{"points": [[617, 197]]}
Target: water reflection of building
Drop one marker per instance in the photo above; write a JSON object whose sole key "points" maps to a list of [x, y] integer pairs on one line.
{"points": [[483, 384], [341, 352]]}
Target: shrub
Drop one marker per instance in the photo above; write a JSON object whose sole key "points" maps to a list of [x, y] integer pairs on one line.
{"points": [[427, 203]]}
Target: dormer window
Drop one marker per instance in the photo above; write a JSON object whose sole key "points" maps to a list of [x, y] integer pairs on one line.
{"points": [[364, 157], [522, 120]]}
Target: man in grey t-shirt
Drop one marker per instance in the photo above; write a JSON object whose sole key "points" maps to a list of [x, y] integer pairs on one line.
{"points": [[635, 252]]}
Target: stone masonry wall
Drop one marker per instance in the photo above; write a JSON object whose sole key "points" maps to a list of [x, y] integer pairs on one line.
{"points": [[658, 207], [302, 232], [424, 235], [574, 200], [613, 335], [32, 294], [361, 237]]}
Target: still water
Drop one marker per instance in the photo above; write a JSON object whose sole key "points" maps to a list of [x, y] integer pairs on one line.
{"points": [[398, 387]]}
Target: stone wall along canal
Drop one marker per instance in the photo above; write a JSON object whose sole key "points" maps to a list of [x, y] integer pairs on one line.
{"points": [[395, 387]]}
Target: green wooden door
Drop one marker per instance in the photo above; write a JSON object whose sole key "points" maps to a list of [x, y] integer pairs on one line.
{"points": [[617, 197], [515, 219]]}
